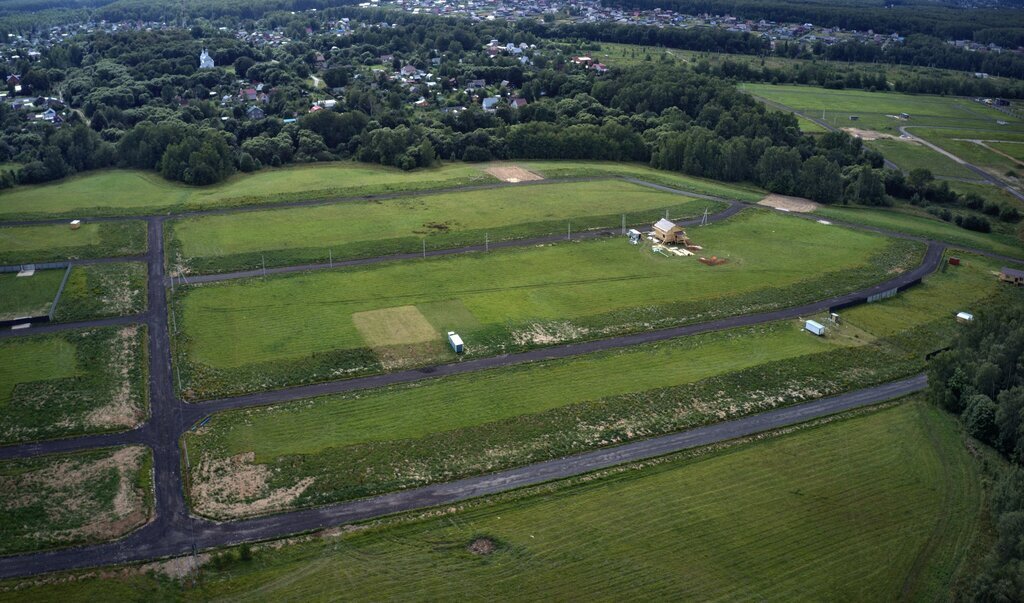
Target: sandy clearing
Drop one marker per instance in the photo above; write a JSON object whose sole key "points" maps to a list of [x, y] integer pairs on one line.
{"points": [[512, 173], [238, 487], [797, 204]]}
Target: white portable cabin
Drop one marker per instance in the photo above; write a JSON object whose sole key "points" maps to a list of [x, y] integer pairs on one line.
{"points": [[964, 317], [456, 342], [635, 236], [814, 327]]}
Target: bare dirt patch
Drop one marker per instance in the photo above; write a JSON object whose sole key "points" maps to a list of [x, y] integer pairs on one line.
{"points": [[871, 134], [512, 173], [481, 546], [797, 204], [236, 487], [124, 408]]}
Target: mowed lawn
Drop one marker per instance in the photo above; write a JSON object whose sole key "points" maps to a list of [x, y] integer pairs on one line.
{"points": [[298, 315], [925, 227], [911, 156], [57, 242], [413, 411], [22, 296], [30, 359], [875, 507], [138, 192], [436, 219]]}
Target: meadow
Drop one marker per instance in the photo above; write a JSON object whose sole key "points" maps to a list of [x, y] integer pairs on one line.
{"points": [[72, 383], [898, 221], [102, 290], [247, 240], [23, 296], [547, 294], [57, 242], [911, 156], [132, 192], [73, 499], [866, 506], [338, 447]]}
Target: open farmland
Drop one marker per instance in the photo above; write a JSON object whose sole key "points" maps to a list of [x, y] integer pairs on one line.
{"points": [[57, 242], [72, 383], [22, 296], [339, 447], [512, 299], [246, 240], [70, 499], [870, 506]]}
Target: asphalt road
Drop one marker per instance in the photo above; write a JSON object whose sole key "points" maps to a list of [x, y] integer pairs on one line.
{"points": [[173, 531]]}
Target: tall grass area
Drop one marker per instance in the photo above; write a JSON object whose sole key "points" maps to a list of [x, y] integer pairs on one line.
{"points": [[872, 506], [69, 499], [936, 229], [22, 296], [248, 240], [57, 242], [102, 290], [72, 383], [340, 447], [513, 299]]}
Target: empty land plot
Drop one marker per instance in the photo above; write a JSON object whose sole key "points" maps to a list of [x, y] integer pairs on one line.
{"points": [[869, 506], [300, 326], [925, 227], [1013, 149], [56, 242], [877, 110], [102, 290], [72, 383], [909, 155], [337, 447], [121, 192], [361, 444], [373, 228], [692, 184], [24, 296], [971, 152], [63, 500]]}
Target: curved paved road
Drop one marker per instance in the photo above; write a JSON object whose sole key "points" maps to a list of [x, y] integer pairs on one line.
{"points": [[174, 531]]}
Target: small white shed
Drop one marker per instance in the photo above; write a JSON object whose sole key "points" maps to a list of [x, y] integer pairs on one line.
{"points": [[635, 236], [964, 317], [456, 342], [815, 327]]}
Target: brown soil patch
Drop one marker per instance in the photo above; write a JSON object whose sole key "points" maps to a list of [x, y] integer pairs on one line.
{"points": [[713, 261], [481, 546], [797, 204], [236, 487], [512, 173], [548, 333]]}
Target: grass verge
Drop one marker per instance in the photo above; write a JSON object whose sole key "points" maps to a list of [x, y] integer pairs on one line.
{"points": [[57, 242]]}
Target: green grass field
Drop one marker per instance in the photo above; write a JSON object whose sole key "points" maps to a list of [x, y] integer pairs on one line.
{"points": [[23, 296], [514, 298], [411, 434], [371, 228], [72, 383], [910, 156], [925, 227], [54, 243], [70, 499], [876, 506], [118, 192], [102, 290]]}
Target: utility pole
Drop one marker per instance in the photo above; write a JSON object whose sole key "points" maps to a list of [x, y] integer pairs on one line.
{"points": [[330, 256], [568, 231], [424, 249], [487, 241], [264, 258], [623, 223]]}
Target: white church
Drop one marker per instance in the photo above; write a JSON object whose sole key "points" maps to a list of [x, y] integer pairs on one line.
{"points": [[206, 61]]}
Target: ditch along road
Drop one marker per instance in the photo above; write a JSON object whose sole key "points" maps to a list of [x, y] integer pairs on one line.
{"points": [[174, 531]]}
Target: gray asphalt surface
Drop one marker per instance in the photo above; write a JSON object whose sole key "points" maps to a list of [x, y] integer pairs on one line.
{"points": [[174, 531]]}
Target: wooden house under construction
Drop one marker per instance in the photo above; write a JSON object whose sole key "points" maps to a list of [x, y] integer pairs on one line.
{"points": [[667, 231]]}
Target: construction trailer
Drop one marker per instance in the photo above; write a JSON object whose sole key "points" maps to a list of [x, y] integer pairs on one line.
{"points": [[1012, 276], [668, 231], [456, 342], [815, 327], [964, 317], [635, 236]]}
